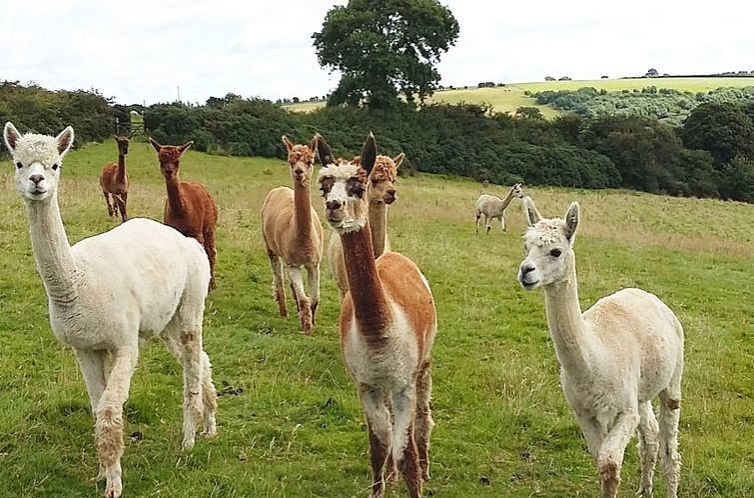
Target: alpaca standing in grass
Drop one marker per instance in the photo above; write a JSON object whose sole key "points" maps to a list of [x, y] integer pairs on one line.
{"points": [[615, 357], [189, 207], [108, 293], [387, 327], [380, 194], [494, 207], [114, 181], [293, 234]]}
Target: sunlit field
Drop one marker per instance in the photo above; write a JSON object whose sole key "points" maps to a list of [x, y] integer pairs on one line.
{"points": [[290, 424]]}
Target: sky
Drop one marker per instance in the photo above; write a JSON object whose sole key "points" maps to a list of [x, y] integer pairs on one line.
{"points": [[149, 51]]}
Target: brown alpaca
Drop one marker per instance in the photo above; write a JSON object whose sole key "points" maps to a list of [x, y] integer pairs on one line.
{"points": [[380, 195], [114, 181], [293, 235], [387, 326], [189, 207]]}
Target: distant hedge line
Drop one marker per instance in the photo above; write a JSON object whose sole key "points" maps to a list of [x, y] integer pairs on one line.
{"points": [[709, 156]]}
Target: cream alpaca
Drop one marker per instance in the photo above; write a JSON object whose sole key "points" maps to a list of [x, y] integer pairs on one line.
{"points": [[615, 357], [380, 194], [293, 234], [492, 207], [108, 293], [387, 325]]}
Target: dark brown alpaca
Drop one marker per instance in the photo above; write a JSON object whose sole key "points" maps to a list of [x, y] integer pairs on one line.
{"points": [[189, 207], [114, 181]]}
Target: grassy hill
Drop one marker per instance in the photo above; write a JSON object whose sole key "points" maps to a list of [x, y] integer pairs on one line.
{"points": [[297, 430], [512, 96]]}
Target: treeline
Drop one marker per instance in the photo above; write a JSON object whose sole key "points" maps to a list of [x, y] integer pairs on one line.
{"points": [[710, 155]]}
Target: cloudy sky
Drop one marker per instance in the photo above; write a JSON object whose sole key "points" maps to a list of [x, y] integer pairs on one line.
{"points": [[146, 51]]}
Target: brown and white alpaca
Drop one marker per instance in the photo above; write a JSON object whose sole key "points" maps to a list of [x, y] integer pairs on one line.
{"points": [[387, 327], [380, 194], [614, 358], [189, 207], [492, 207], [114, 181], [293, 235]]}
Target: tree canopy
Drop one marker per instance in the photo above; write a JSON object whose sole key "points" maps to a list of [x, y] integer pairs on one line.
{"points": [[385, 48]]}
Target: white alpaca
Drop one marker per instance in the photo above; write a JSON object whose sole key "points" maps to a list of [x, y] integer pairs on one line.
{"points": [[110, 292], [615, 357], [492, 207]]}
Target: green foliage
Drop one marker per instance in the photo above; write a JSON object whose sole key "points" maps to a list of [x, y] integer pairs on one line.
{"points": [[724, 130], [385, 48]]}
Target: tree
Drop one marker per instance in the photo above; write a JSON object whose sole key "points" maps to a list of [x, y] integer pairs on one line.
{"points": [[725, 130], [385, 47]]}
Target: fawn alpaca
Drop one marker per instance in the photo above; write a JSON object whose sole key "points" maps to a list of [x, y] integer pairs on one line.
{"points": [[380, 195], [110, 292], [114, 181], [387, 326], [615, 357], [492, 207], [189, 207], [293, 235]]}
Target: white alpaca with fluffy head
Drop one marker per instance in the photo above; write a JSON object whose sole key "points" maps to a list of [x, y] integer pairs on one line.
{"points": [[108, 293], [615, 358]]}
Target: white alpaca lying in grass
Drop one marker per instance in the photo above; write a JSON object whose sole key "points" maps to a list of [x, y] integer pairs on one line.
{"points": [[110, 292], [615, 357]]}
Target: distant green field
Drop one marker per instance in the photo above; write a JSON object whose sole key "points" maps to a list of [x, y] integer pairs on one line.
{"points": [[512, 96], [503, 428]]}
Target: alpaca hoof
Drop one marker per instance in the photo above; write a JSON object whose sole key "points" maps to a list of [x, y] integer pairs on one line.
{"points": [[188, 444], [114, 489], [210, 429], [644, 491]]}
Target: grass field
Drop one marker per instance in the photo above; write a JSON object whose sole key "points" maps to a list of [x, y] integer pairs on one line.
{"points": [[512, 96], [503, 427]]}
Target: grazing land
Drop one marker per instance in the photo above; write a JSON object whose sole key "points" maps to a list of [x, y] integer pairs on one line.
{"points": [[289, 421], [513, 95]]}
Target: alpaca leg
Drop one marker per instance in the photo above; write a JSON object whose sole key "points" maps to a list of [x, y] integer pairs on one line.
{"points": [[314, 275], [209, 398], [502, 221], [478, 217], [304, 307], [647, 444], [211, 250], [122, 202], [670, 413], [404, 445], [278, 290], [92, 364], [593, 434], [380, 434], [424, 422], [108, 428], [488, 223], [107, 202], [610, 458]]}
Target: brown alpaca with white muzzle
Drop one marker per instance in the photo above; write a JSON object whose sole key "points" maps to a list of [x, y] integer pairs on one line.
{"points": [[293, 235], [380, 195], [189, 207], [114, 181], [387, 326]]}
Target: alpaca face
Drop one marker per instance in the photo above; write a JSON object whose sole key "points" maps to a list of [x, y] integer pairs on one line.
{"points": [[37, 160], [169, 157], [343, 186], [301, 160], [382, 180], [549, 247], [518, 191], [122, 144]]}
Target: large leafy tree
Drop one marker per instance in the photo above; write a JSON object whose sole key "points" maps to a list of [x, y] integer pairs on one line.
{"points": [[385, 48]]}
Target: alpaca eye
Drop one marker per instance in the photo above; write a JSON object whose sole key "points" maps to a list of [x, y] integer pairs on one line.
{"points": [[19, 165], [556, 253], [55, 166]]}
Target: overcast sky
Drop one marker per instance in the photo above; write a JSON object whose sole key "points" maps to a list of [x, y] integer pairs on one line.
{"points": [[146, 51]]}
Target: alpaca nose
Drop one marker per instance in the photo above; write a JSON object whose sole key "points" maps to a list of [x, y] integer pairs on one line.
{"points": [[298, 171], [527, 269], [333, 205], [36, 179], [391, 192]]}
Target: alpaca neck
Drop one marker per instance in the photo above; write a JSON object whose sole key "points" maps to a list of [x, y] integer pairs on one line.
{"points": [[121, 168], [573, 345], [508, 199], [369, 300], [302, 214], [175, 197], [378, 226], [52, 253]]}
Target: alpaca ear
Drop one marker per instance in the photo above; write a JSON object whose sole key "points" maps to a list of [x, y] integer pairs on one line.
{"points": [[288, 143], [572, 221], [11, 136], [65, 140], [369, 153], [313, 145], [183, 148], [398, 160], [323, 151], [530, 211], [156, 145]]}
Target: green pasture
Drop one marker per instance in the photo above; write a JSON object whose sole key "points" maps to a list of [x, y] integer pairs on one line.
{"points": [[297, 430]]}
